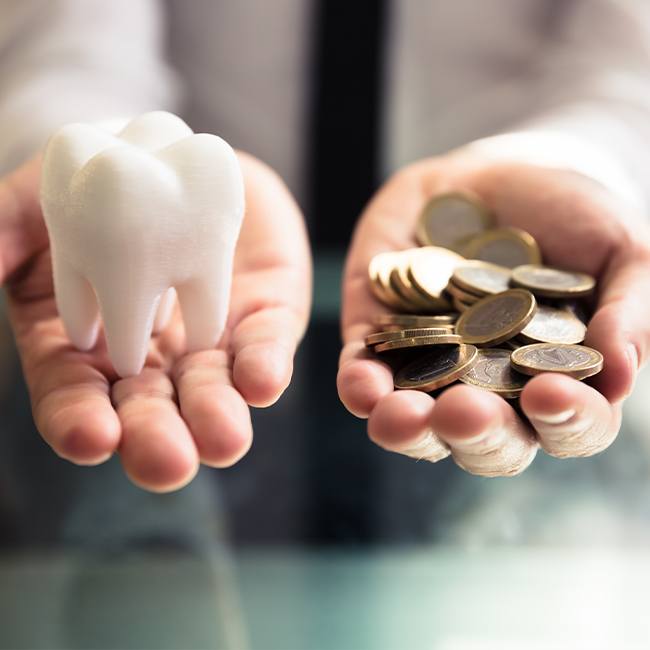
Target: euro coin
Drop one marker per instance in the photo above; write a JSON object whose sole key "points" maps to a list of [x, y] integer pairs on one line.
{"points": [[439, 367], [509, 247], [456, 292], [403, 285], [494, 372], [551, 325], [418, 342], [495, 319], [460, 306], [481, 278], [415, 320], [577, 308], [382, 337], [449, 219], [552, 283], [430, 270], [577, 361], [379, 271], [409, 301]]}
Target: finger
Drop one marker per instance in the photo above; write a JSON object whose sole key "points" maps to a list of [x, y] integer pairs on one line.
{"points": [[213, 409], [263, 345], [157, 449], [388, 223], [362, 380], [484, 433], [620, 328], [571, 419], [76, 418], [70, 393], [401, 422], [22, 229], [272, 287]]}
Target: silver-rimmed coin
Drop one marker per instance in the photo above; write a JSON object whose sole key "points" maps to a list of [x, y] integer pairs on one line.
{"points": [[550, 325], [495, 319], [392, 335], [481, 278], [449, 219], [577, 361], [439, 367], [494, 372], [552, 283], [509, 247]]}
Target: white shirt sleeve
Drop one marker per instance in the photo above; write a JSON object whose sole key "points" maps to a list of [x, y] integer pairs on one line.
{"points": [[593, 86], [70, 60]]}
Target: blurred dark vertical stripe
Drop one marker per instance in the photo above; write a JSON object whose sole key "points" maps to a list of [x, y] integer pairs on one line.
{"points": [[346, 117], [343, 468]]}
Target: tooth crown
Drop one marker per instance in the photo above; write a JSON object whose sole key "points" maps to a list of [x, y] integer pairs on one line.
{"points": [[132, 215]]}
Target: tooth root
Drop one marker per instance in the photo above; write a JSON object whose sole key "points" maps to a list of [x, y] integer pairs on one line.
{"points": [[204, 305], [164, 310], [76, 304], [128, 322]]}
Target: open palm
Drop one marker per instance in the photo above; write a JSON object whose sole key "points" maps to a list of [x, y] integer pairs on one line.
{"points": [[182, 409], [578, 226]]}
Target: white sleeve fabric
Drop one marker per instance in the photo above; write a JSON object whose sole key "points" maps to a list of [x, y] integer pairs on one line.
{"points": [[593, 86], [70, 60]]}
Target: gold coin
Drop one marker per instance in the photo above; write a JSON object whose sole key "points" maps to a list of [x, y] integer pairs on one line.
{"points": [[575, 307], [439, 367], [379, 271], [509, 247], [418, 342], [403, 285], [415, 320], [577, 361], [460, 306], [430, 270], [552, 283], [495, 319], [448, 328], [393, 335], [403, 291], [449, 219], [550, 325], [466, 296], [494, 372], [481, 278]]}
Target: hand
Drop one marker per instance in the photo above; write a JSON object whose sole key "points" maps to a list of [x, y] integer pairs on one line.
{"points": [[183, 408], [578, 226]]}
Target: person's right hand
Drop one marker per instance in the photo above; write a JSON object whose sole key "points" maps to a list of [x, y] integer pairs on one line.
{"points": [[182, 409], [579, 226]]}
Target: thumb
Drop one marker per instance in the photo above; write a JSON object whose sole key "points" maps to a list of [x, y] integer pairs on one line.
{"points": [[22, 229], [620, 328]]}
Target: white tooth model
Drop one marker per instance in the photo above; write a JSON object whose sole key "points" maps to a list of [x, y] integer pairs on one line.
{"points": [[133, 216]]}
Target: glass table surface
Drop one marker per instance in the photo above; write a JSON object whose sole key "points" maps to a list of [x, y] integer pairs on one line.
{"points": [[319, 540]]}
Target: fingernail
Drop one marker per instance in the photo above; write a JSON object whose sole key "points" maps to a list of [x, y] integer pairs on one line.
{"points": [[487, 439], [633, 361], [633, 356], [556, 418]]}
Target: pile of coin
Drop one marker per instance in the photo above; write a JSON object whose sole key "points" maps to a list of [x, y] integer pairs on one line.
{"points": [[475, 304]]}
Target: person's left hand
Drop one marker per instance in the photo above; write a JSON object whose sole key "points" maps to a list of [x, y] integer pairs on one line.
{"points": [[579, 226], [182, 409]]}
